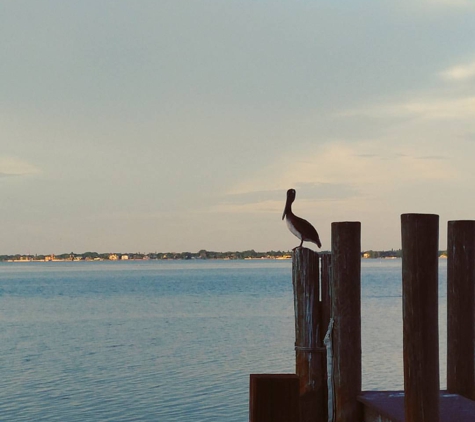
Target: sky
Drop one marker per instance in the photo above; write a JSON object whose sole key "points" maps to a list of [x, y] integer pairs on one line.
{"points": [[178, 125]]}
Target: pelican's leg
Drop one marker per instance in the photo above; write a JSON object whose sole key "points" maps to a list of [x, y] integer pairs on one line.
{"points": [[299, 246]]}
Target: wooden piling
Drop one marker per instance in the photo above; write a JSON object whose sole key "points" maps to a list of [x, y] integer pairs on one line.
{"points": [[461, 308], [310, 353], [274, 398], [346, 312], [420, 244]]}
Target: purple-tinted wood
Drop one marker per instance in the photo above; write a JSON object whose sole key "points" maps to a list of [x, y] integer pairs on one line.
{"points": [[420, 244], [388, 406], [346, 312], [461, 308]]}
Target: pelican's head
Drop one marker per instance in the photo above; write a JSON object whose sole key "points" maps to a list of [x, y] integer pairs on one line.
{"points": [[288, 203]]}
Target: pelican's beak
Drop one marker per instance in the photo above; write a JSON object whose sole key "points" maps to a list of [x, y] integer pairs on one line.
{"points": [[285, 209], [287, 204]]}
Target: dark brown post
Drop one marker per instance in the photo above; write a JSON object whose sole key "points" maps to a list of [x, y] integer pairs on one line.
{"points": [[346, 312], [420, 244], [274, 398], [461, 308], [310, 352]]}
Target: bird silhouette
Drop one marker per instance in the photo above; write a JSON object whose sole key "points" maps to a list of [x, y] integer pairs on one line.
{"points": [[298, 226]]}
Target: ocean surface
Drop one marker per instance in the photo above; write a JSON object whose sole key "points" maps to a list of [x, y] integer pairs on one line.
{"points": [[169, 340]]}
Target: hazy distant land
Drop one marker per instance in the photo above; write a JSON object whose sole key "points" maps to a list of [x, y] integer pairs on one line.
{"points": [[119, 256], [202, 254]]}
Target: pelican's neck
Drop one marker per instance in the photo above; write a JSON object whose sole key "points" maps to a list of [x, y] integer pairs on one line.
{"points": [[288, 208]]}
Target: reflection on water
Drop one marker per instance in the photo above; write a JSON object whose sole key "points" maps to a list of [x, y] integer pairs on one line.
{"points": [[167, 341]]}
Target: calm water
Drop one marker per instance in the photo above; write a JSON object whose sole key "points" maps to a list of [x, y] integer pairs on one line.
{"points": [[168, 341]]}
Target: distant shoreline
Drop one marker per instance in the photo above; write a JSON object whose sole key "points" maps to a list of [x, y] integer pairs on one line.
{"points": [[135, 260], [138, 259], [116, 256], [200, 255], [171, 256], [180, 259]]}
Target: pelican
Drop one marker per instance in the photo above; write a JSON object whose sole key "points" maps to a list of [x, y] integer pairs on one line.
{"points": [[298, 226]]}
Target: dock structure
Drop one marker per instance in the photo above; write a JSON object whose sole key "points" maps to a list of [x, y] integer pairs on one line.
{"points": [[327, 300]]}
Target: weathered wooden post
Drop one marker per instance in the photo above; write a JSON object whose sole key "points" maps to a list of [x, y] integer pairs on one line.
{"points": [[274, 398], [461, 308], [346, 312], [420, 243], [310, 354]]}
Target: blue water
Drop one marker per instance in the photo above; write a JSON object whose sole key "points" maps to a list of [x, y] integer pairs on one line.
{"points": [[168, 340]]}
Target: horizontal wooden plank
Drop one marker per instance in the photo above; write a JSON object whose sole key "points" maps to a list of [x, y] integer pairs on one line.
{"points": [[388, 406]]}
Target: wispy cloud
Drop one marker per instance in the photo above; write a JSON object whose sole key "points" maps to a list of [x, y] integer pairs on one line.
{"points": [[347, 171], [251, 207], [11, 166], [469, 136], [272, 200], [445, 4], [459, 73], [427, 108], [2, 175], [431, 157], [449, 3], [253, 196]]}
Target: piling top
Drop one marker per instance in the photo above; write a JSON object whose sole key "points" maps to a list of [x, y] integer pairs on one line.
{"points": [[416, 214], [416, 222], [343, 223]]}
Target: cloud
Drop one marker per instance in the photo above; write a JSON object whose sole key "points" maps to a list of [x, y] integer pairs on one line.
{"points": [[457, 108], [345, 171], [449, 3], [349, 164], [251, 207], [469, 136], [272, 200], [325, 191], [460, 72], [441, 4], [427, 108], [11, 166], [2, 175], [431, 157], [253, 196]]}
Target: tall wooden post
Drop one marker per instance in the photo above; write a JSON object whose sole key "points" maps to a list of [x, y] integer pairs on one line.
{"points": [[461, 308], [308, 335], [346, 312], [420, 244]]}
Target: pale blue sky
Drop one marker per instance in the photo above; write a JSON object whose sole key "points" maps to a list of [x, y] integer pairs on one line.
{"points": [[179, 125]]}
